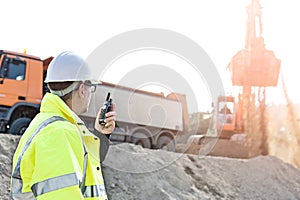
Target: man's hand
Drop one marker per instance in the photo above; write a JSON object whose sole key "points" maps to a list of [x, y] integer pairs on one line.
{"points": [[110, 123]]}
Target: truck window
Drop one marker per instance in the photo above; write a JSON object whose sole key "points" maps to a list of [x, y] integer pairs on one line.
{"points": [[12, 68]]}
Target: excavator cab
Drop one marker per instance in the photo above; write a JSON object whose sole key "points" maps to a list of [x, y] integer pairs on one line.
{"points": [[226, 115]]}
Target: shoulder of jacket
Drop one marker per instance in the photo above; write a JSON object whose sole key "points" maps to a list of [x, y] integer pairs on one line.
{"points": [[58, 129]]}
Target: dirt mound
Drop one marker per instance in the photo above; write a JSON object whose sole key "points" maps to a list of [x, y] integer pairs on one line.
{"points": [[132, 172], [8, 144]]}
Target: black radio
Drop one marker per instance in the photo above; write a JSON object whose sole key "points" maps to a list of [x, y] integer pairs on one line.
{"points": [[106, 107]]}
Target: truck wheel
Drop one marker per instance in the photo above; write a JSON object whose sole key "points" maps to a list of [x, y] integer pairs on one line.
{"points": [[141, 139], [19, 126], [166, 143]]}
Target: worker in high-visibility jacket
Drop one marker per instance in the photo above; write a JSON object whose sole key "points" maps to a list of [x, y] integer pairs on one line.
{"points": [[58, 157]]}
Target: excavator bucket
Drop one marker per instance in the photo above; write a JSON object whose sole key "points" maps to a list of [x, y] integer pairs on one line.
{"points": [[259, 68]]}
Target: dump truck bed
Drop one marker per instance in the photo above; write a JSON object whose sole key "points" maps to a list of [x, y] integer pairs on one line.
{"points": [[139, 107]]}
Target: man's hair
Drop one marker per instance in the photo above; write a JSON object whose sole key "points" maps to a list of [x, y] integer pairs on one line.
{"points": [[56, 86]]}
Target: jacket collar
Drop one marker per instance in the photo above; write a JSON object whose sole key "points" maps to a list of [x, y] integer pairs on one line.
{"points": [[55, 105]]}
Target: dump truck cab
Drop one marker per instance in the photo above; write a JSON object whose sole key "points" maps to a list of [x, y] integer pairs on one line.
{"points": [[21, 89]]}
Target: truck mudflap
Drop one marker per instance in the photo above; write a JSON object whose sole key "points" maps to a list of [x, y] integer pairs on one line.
{"points": [[3, 125]]}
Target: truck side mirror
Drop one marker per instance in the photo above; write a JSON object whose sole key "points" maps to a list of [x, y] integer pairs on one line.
{"points": [[4, 69]]}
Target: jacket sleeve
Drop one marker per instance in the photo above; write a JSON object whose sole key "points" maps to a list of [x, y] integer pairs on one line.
{"points": [[104, 144], [58, 161]]}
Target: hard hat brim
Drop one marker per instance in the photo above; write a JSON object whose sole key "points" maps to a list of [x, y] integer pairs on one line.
{"points": [[96, 82]]}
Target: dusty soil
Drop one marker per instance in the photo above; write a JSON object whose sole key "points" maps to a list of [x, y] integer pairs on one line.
{"points": [[132, 172]]}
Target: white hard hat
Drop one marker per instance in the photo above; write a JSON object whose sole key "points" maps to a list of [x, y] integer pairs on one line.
{"points": [[68, 66]]}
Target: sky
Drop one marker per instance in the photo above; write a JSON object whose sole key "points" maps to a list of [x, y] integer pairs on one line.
{"points": [[45, 28]]}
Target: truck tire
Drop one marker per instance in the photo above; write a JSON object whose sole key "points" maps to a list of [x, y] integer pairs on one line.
{"points": [[166, 143], [19, 126], [141, 139]]}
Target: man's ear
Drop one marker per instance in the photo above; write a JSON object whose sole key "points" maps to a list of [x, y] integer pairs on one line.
{"points": [[81, 91]]}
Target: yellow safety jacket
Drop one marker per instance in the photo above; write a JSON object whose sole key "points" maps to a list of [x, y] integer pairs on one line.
{"points": [[57, 157]]}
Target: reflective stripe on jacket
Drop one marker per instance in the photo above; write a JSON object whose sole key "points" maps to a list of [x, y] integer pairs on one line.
{"points": [[52, 164]]}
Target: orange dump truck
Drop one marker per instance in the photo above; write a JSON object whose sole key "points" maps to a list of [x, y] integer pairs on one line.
{"points": [[21, 89]]}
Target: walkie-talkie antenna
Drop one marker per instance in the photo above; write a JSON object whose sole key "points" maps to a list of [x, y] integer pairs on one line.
{"points": [[107, 97]]}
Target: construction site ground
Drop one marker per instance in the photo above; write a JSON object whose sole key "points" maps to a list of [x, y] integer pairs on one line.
{"points": [[132, 172], [214, 169]]}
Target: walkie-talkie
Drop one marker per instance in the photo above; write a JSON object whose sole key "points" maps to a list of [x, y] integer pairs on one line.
{"points": [[106, 107]]}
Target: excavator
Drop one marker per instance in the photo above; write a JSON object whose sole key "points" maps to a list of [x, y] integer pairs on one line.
{"points": [[252, 69]]}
